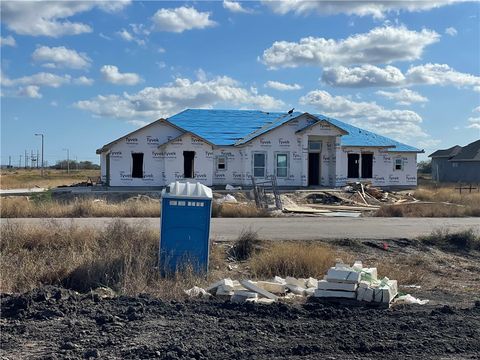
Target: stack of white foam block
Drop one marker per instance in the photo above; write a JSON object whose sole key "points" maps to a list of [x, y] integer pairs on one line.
{"points": [[356, 283]]}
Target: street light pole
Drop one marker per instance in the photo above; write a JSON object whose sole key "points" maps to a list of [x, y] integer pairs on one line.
{"points": [[42, 135], [68, 160]]}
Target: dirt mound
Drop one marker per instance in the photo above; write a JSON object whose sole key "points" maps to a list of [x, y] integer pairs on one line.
{"points": [[56, 323]]}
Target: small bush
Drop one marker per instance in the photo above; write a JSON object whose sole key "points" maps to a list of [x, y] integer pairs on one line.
{"points": [[295, 259], [245, 245], [462, 240], [407, 270], [424, 210], [236, 210]]}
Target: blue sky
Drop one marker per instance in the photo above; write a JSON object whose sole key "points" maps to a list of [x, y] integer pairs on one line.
{"points": [[85, 73]]}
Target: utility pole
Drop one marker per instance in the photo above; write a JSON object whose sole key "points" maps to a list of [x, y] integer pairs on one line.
{"points": [[42, 135], [68, 160], [37, 158], [26, 159], [9, 161], [32, 158], [20, 163]]}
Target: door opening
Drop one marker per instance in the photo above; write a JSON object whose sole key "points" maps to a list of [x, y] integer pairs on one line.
{"points": [[353, 166], [137, 166], [367, 166], [313, 169], [188, 159], [107, 170]]}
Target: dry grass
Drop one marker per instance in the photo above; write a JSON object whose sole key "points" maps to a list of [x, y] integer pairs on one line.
{"points": [[15, 179], [245, 246], [448, 194], [426, 210], [42, 205], [298, 259], [18, 207], [448, 203], [124, 258], [466, 240], [227, 210], [121, 256], [407, 270]]}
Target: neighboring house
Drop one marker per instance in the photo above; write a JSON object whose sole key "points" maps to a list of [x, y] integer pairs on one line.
{"points": [[219, 147], [457, 164]]}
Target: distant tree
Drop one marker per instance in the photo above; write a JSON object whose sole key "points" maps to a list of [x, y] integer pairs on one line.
{"points": [[74, 165], [424, 167]]}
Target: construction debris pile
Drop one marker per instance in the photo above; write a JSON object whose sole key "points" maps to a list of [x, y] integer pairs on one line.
{"points": [[358, 284], [354, 285], [352, 200]]}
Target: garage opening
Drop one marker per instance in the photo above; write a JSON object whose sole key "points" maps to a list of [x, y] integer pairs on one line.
{"points": [[137, 165], [353, 166], [367, 166], [188, 158]]}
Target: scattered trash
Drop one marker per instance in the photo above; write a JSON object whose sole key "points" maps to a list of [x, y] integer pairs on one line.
{"points": [[230, 187], [103, 292], [197, 292], [409, 299], [227, 198], [342, 283]]}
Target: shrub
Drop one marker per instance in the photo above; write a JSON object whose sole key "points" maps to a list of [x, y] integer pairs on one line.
{"points": [[245, 245], [296, 259], [462, 240]]}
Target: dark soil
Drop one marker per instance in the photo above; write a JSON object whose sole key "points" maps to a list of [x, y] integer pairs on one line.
{"points": [[54, 323]]}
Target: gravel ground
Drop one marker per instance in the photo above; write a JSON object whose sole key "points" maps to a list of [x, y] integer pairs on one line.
{"points": [[55, 323]]}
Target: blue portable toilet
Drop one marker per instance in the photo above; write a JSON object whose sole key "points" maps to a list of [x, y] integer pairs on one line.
{"points": [[185, 227]]}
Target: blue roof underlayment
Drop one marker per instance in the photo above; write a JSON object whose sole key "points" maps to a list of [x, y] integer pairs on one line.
{"points": [[236, 127]]}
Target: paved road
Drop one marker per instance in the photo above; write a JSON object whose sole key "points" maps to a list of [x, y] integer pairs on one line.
{"points": [[302, 228]]}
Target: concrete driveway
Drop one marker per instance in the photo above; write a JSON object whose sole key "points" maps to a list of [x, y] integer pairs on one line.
{"points": [[299, 228]]}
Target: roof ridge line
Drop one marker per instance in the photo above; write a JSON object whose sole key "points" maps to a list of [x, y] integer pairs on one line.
{"points": [[264, 126]]}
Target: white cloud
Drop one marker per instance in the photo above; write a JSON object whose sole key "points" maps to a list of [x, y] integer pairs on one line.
{"points": [[83, 80], [39, 79], [61, 57], [235, 6], [370, 75], [281, 86], [50, 18], [403, 96], [399, 124], [30, 91], [376, 9], [451, 31], [182, 93], [362, 76], [112, 75], [181, 19], [440, 74], [380, 45], [476, 88], [125, 35], [477, 109], [474, 123], [7, 41]]}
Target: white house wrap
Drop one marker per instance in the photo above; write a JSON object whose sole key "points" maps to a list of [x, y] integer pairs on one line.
{"points": [[219, 147]]}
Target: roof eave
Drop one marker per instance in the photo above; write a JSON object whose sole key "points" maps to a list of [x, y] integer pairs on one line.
{"points": [[110, 144]]}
